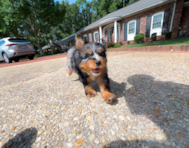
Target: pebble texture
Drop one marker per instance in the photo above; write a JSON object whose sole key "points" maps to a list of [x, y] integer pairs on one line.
{"points": [[42, 108]]}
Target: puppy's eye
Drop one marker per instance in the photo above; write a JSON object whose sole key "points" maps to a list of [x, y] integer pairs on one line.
{"points": [[102, 54], [88, 55]]}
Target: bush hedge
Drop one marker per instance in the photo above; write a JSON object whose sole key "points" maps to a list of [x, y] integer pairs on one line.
{"points": [[110, 44], [154, 37], [168, 35], [139, 38], [117, 45]]}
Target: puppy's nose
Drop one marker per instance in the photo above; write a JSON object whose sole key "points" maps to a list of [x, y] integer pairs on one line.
{"points": [[97, 63]]}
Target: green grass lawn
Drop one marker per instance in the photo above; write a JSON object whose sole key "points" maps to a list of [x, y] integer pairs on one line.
{"points": [[181, 41]]}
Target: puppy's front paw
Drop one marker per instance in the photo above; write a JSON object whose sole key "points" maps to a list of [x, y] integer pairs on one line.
{"points": [[90, 92], [108, 96], [68, 73]]}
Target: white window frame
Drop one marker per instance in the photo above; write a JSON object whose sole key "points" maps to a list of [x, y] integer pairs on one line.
{"points": [[94, 35], [157, 30], [131, 36]]}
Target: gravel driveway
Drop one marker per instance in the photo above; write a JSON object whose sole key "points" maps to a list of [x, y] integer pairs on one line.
{"points": [[42, 108]]}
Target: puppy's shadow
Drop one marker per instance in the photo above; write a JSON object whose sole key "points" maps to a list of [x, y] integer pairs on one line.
{"points": [[24, 139]]}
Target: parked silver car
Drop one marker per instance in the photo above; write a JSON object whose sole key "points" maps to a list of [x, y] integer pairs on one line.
{"points": [[15, 48]]}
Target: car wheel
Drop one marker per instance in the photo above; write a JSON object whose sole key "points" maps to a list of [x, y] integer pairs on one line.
{"points": [[31, 57], [6, 58], [16, 59]]}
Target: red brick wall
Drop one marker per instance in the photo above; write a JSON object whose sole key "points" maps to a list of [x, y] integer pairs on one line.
{"points": [[170, 49], [177, 17], [185, 19], [143, 20]]}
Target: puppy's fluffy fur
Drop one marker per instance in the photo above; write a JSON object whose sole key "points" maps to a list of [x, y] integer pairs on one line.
{"points": [[89, 61]]}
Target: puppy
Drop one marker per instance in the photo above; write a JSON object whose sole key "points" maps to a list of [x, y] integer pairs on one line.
{"points": [[89, 61]]}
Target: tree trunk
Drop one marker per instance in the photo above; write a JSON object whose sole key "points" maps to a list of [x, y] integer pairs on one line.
{"points": [[83, 17], [123, 3], [37, 37], [88, 16], [39, 46]]}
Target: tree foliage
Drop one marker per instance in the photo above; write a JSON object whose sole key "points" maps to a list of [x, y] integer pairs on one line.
{"points": [[103, 7], [32, 17], [42, 20]]}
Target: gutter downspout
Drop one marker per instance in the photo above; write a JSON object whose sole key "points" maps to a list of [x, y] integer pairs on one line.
{"points": [[173, 14]]}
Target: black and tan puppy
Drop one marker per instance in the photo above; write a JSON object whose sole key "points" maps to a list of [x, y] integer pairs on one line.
{"points": [[90, 63]]}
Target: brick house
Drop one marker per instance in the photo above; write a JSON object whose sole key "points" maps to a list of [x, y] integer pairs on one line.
{"points": [[144, 16]]}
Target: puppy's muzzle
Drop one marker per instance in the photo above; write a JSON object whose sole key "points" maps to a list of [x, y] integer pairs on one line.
{"points": [[97, 63]]}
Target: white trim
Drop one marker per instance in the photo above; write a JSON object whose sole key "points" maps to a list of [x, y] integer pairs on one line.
{"points": [[109, 20], [157, 30], [130, 37], [162, 2], [94, 35], [100, 31], [106, 28], [115, 31]]}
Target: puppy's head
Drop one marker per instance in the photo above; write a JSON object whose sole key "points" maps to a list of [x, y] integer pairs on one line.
{"points": [[93, 56]]}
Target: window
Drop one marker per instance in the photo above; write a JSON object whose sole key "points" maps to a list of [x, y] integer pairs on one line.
{"points": [[131, 30], [96, 36], [85, 38], [18, 40], [132, 27], [2, 42], [157, 21]]}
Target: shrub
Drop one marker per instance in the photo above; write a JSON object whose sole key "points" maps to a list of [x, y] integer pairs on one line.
{"points": [[53, 51], [37, 55], [128, 42], [117, 45], [168, 35], [154, 36], [59, 51], [110, 44], [120, 43], [139, 38]]}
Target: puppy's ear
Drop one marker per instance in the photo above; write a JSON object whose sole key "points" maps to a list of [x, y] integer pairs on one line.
{"points": [[79, 42], [104, 42]]}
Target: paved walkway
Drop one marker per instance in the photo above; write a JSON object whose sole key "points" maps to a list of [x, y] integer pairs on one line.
{"points": [[40, 107]]}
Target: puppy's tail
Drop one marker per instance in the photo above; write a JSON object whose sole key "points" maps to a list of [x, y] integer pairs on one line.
{"points": [[59, 46]]}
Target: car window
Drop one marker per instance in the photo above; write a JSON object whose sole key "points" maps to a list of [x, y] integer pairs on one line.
{"points": [[18, 40], [2, 42]]}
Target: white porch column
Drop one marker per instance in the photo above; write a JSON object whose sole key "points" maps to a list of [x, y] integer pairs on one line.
{"points": [[100, 31], [173, 14], [115, 31]]}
